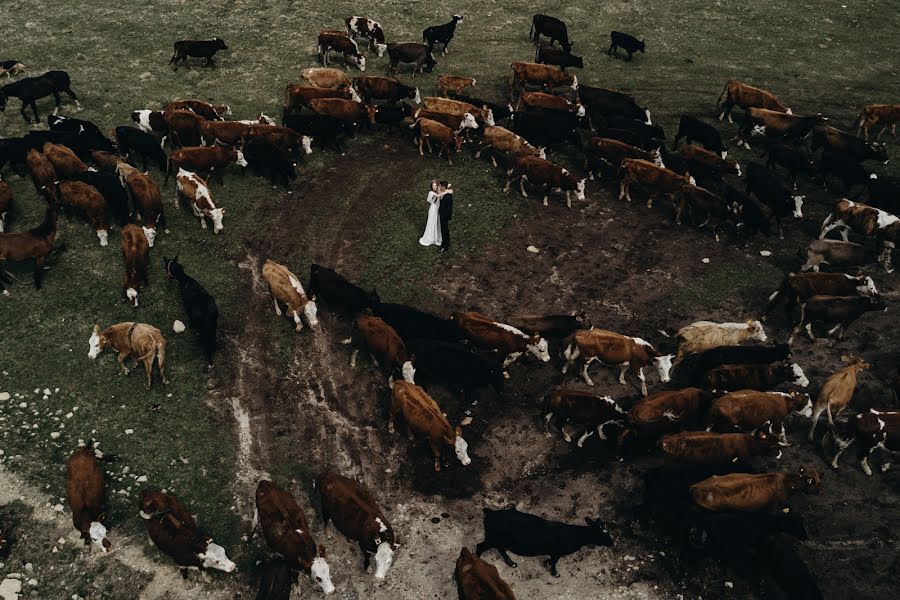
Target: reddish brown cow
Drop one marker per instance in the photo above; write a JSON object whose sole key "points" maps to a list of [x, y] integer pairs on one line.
{"points": [[204, 160], [545, 76], [423, 416], [867, 221], [711, 160], [192, 188], [704, 208], [584, 409], [451, 83], [549, 102], [751, 409], [665, 412], [611, 348], [210, 112], [106, 161], [549, 176], [445, 136], [746, 96], [458, 107], [385, 88], [502, 140], [34, 244], [88, 201], [872, 429], [454, 121], [298, 96], [383, 344], [43, 175], [342, 43], [85, 491], [660, 180], [506, 340], [136, 253], [480, 580], [743, 492], [873, 114], [148, 200], [345, 110], [704, 447], [612, 152], [836, 393], [184, 127], [283, 137], [65, 162]]}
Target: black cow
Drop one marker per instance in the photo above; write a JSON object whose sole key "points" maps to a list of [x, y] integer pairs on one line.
{"points": [[110, 187], [440, 33], [884, 193], [413, 324], [549, 326], [693, 129], [276, 581], [825, 136], [844, 167], [636, 126], [205, 49], [629, 43], [201, 309], [754, 216], [266, 159], [794, 159], [552, 28], [601, 101], [72, 125], [733, 355], [549, 55], [548, 127], [83, 136], [80, 144], [13, 151], [31, 89], [338, 294], [413, 53], [393, 115], [500, 111], [454, 366], [771, 191], [132, 139], [753, 377], [325, 130], [529, 535]]}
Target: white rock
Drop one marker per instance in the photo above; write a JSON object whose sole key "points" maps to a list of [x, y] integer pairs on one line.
{"points": [[532, 249], [54, 435], [129, 431], [32, 582], [29, 567], [23, 405], [178, 326], [58, 508], [765, 253], [4, 396], [10, 588], [705, 261], [46, 391], [142, 479], [729, 585]]}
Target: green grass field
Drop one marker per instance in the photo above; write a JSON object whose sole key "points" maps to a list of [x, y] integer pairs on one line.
{"points": [[817, 56]]}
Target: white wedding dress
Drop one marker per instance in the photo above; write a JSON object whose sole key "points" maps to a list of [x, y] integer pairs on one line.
{"points": [[432, 235]]}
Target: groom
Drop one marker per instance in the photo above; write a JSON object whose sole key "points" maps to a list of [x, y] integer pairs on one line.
{"points": [[445, 212]]}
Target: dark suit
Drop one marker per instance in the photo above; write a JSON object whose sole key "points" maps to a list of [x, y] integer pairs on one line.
{"points": [[445, 212]]}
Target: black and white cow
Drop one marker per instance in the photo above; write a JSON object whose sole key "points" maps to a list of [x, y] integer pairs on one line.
{"points": [[367, 28], [771, 191], [441, 33]]}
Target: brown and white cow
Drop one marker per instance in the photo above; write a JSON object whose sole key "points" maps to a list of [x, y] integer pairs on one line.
{"points": [[327, 78], [549, 102], [836, 393], [287, 532], [367, 28], [509, 342], [659, 179], [754, 376], [840, 310], [144, 342], [452, 83], [545, 76], [479, 580], [549, 176], [283, 137], [746, 96], [867, 221], [502, 140], [584, 409], [456, 122], [751, 409], [612, 152], [299, 96], [210, 112], [150, 121], [85, 491], [223, 132], [383, 344], [776, 124], [666, 412], [703, 335], [286, 288], [342, 43], [106, 161], [872, 430], [615, 349], [705, 447], [428, 130], [709, 159], [356, 514], [204, 159], [184, 127], [458, 107], [795, 288], [43, 175], [873, 114], [65, 162], [744, 492], [193, 189], [136, 254], [87, 200], [345, 110], [423, 416], [148, 199]]}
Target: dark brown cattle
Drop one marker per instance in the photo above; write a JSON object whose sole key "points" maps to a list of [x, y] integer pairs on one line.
{"points": [[665, 412], [283, 137], [549, 326], [210, 112], [658, 179], [455, 122], [705, 447], [204, 160], [385, 88], [106, 161], [345, 110], [750, 409], [298, 96], [842, 310], [754, 377], [65, 162], [736, 93], [710, 160], [776, 124], [873, 114], [85, 492], [383, 344], [419, 55], [148, 201], [423, 416], [795, 288], [43, 175], [184, 127], [549, 176], [872, 430], [342, 43], [479, 580], [34, 244], [545, 76], [867, 221], [612, 152], [88, 201], [704, 208], [136, 254], [743, 492], [584, 409], [224, 132], [841, 141]]}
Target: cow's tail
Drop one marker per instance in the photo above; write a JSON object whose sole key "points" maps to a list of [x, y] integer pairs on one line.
{"points": [[782, 290], [174, 54], [722, 95], [531, 31], [861, 120]]}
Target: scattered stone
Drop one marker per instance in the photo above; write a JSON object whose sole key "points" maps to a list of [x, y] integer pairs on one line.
{"points": [[765, 253], [46, 391], [435, 520], [729, 585], [466, 421], [58, 508], [129, 431], [54, 435], [532, 249], [10, 588], [705, 261], [178, 326], [4, 396]]}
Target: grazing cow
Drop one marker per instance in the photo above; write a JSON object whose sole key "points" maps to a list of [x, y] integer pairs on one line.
{"points": [[383, 344], [110, 187], [704, 208], [836, 393], [746, 96], [150, 121], [423, 416], [200, 306], [73, 125], [665, 412], [754, 377], [842, 310], [552, 28], [173, 530], [873, 429], [43, 175], [191, 188], [5, 203], [836, 253], [205, 49], [342, 43], [86, 200], [549, 326], [210, 112], [703, 335], [132, 139], [85, 491], [326, 77], [66, 164], [615, 349], [11, 67], [183, 126], [501, 140], [635, 127], [136, 254], [458, 107], [106, 161], [211, 160], [456, 122], [603, 101], [479, 580], [267, 159], [419, 55], [439, 33], [506, 340], [715, 164], [629, 43], [367, 28], [34, 244], [795, 288], [794, 159], [223, 132], [547, 55], [867, 222], [338, 293], [287, 532], [545, 76], [450, 83], [529, 535], [777, 125], [734, 355], [608, 152], [276, 580], [284, 138], [845, 168], [744, 492], [385, 88], [873, 114], [394, 116], [413, 324], [356, 514], [542, 172], [286, 288], [144, 342], [549, 102], [704, 447], [861, 150], [345, 110], [453, 365], [751, 409], [428, 130], [147, 200], [329, 131], [584, 409], [547, 127], [31, 89], [691, 129], [299, 96], [659, 179]]}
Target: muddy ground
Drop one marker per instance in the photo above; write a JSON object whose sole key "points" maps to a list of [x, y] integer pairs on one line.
{"points": [[630, 269]]}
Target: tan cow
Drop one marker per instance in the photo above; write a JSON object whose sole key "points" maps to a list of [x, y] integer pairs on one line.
{"points": [[615, 349], [703, 335], [458, 107], [432, 130], [873, 114], [746, 96], [87, 200], [752, 409], [545, 76], [136, 254], [85, 491], [287, 289], [451, 83], [144, 342], [480, 580], [65, 162], [659, 179], [193, 189], [836, 393], [423, 416], [327, 77], [743, 492], [504, 141], [549, 102]]}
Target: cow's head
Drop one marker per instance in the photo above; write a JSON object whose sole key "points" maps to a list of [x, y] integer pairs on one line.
{"points": [[664, 366], [461, 448], [600, 536], [575, 82], [811, 479], [150, 232], [579, 188], [799, 377], [97, 533], [97, 342], [222, 110], [539, 348], [756, 331], [131, 294], [380, 48], [238, 157], [868, 286], [408, 370], [360, 61], [469, 121], [798, 206], [311, 312], [214, 558], [220, 44], [801, 403], [320, 572], [579, 110], [216, 214], [371, 111], [384, 556], [457, 18], [104, 237]]}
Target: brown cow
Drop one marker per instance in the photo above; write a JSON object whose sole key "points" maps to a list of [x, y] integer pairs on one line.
{"points": [[549, 102], [193, 189], [746, 96], [385, 88], [842, 310], [43, 175], [613, 349], [106, 161], [612, 152], [423, 416], [836, 393], [867, 221], [210, 112], [414, 53], [65, 162], [549, 176], [287, 532], [776, 124], [5, 203], [704, 208], [345, 110], [836, 253], [223, 132], [140, 340], [545, 76], [743, 492], [479, 580], [204, 160], [383, 344], [711, 160], [451, 83], [506, 340], [458, 107], [184, 127], [873, 429], [85, 491], [283, 137], [584, 409], [704, 447], [872, 114], [342, 43], [432, 130], [287, 289], [148, 200], [659, 179], [87, 200], [356, 514], [502, 140], [298, 96], [795, 288], [665, 412], [34, 244], [751, 409], [136, 254], [326, 78], [454, 121]]}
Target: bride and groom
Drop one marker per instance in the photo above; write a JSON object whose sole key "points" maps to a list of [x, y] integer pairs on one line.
{"points": [[440, 212]]}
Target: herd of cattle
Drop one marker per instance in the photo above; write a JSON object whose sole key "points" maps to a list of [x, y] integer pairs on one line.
{"points": [[721, 409]]}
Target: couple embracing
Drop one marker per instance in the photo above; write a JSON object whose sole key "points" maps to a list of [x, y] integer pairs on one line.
{"points": [[440, 212]]}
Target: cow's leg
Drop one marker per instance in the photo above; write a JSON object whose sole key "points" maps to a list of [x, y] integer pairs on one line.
{"points": [[522, 180], [161, 363], [482, 547], [509, 562], [353, 358], [844, 232], [121, 360], [275, 301], [58, 101], [837, 327], [551, 564], [587, 433], [506, 187], [147, 359], [436, 452], [622, 369], [511, 358], [421, 139], [817, 412], [864, 462], [547, 419], [809, 331], [584, 371], [841, 446], [643, 379]]}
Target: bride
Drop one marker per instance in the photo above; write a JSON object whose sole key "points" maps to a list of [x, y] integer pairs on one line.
{"points": [[432, 235]]}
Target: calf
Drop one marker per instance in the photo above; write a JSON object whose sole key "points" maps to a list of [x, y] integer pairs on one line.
{"points": [[339, 294], [449, 83], [383, 345], [343, 44], [603, 101], [549, 102], [423, 416], [629, 43], [148, 201], [836, 393], [836, 253], [211, 160], [548, 55], [345, 110], [704, 447], [85, 491], [842, 310], [66, 164], [11, 67], [660, 180], [477, 579], [506, 340], [286, 288], [210, 112], [439, 33], [704, 335], [501, 140], [771, 191], [356, 514], [144, 342], [831, 137], [743, 492], [385, 88], [529, 535], [286, 530], [619, 350], [873, 114], [174, 531], [545, 76], [794, 160], [428, 130], [796, 288], [205, 49], [691, 129], [136, 254], [746, 96], [873, 430], [267, 159], [200, 306], [453, 365], [413, 324], [132, 140], [665, 412], [183, 126], [754, 377], [584, 409], [367, 28], [5, 203], [750, 409], [327, 78], [867, 222], [191, 188], [43, 175], [299, 96], [87, 200], [419, 55], [542, 172], [552, 28]]}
